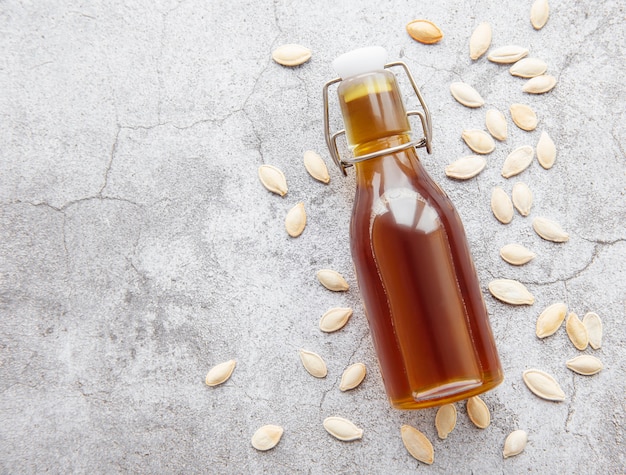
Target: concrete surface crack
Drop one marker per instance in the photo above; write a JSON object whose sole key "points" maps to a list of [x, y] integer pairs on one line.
{"points": [[111, 157], [572, 403]]}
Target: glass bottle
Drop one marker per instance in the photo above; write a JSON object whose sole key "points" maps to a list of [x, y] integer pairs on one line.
{"points": [[415, 274]]}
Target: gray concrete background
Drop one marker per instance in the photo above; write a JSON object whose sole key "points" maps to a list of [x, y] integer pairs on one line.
{"points": [[138, 247]]}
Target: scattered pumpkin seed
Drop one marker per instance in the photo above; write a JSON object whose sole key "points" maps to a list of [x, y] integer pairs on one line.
{"points": [[352, 376], [546, 151], [539, 13], [522, 198], [313, 363], [593, 324], [549, 230], [342, 429], [514, 443], [466, 167], [496, 124], [445, 420], [517, 161], [424, 31], [550, 319], [539, 84], [479, 141], [316, 166], [586, 365], [266, 437], [220, 373], [332, 280], [335, 319], [576, 331], [543, 385], [507, 54], [291, 55], [511, 292], [501, 205], [295, 222], [466, 94], [273, 179], [417, 444], [478, 412], [480, 40], [523, 116], [528, 68], [516, 254]]}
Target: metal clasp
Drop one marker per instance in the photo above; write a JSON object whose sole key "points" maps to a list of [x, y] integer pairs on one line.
{"points": [[331, 138]]}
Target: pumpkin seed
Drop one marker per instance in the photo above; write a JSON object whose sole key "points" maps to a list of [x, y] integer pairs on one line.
{"points": [[466, 94], [417, 444], [539, 84], [585, 365], [478, 412], [220, 373], [523, 116], [528, 68], [549, 230], [522, 198], [291, 55], [313, 363], [424, 31], [316, 166], [480, 40], [507, 54], [352, 376], [466, 167], [342, 429], [273, 179], [593, 324], [539, 14], [335, 319], [550, 319], [514, 443], [517, 161], [501, 205], [295, 222], [511, 292], [496, 124], [576, 331], [445, 420], [543, 385], [546, 151], [332, 280], [516, 254], [267, 437], [479, 141]]}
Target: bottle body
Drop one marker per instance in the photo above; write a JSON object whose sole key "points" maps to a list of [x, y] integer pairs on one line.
{"points": [[419, 286]]}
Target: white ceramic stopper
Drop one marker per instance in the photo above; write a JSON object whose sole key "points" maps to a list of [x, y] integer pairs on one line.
{"points": [[360, 61]]}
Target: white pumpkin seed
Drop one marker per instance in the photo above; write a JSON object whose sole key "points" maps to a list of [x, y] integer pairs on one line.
{"points": [[576, 331], [220, 373], [480, 40], [291, 55], [332, 280], [585, 365], [549, 230], [266, 437], [352, 376], [543, 385], [478, 412], [501, 205], [522, 198], [550, 319], [417, 444], [511, 292], [295, 222], [479, 141], [507, 54], [466, 94], [445, 420], [342, 429], [528, 68], [517, 161], [524, 117], [335, 319], [313, 363], [466, 167], [316, 166], [514, 443], [539, 84], [539, 13], [593, 324], [546, 151], [496, 124], [516, 254], [273, 179], [424, 31]]}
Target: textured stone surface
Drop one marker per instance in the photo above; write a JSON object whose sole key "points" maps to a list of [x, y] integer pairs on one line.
{"points": [[138, 248]]}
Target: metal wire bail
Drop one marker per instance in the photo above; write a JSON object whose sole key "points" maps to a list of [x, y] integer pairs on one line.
{"points": [[424, 115]]}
